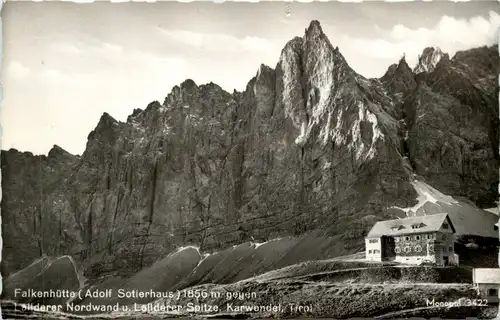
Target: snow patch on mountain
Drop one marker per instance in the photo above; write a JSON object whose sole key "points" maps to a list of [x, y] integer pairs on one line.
{"points": [[426, 193]]}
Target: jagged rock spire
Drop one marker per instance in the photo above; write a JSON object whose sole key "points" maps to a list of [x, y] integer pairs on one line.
{"points": [[429, 59]]}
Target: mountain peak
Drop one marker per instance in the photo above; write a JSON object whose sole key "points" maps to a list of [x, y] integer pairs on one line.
{"points": [[399, 78], [314, 28], [402, 64], [403, 59], [401, 69], [429, 59], [105, 124], [58, 152], [433, 49], [188, 84], [106, 120], [264, 70], [56, 148]]}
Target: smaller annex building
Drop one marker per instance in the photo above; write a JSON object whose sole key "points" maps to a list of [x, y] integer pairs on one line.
{"points": [[413, 240], [487, 283]]}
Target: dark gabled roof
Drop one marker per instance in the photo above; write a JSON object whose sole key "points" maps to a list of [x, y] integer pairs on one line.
{"points": [[427, 223]]}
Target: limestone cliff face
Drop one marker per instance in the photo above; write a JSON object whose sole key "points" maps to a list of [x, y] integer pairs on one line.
{"points": [[27, 181], [309, 145], [452, 119]]}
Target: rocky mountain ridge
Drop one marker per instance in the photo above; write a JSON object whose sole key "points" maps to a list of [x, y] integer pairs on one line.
{"points": [[309, 146]]}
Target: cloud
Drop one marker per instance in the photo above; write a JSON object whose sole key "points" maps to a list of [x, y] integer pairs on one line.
{"points": [[476, 31], [256, 44], [91, 56], [108, 50], [216, 41], [52, 76], [88, 67], [65, 48], [16, 70]]}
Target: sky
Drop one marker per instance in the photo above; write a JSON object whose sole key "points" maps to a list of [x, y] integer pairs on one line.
{"points": [[64, 64]]}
